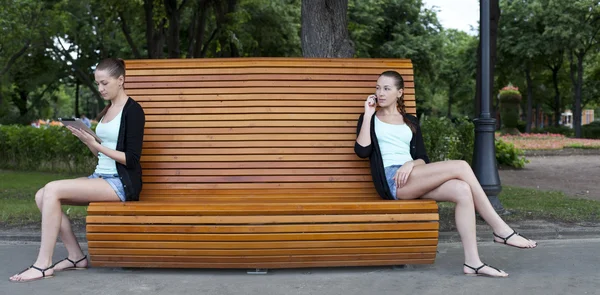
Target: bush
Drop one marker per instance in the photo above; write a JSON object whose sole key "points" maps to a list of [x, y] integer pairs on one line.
{"points": [[44, 149], [510, 99], [566, 131], [591, 130], [445, 140], [507, 154]]}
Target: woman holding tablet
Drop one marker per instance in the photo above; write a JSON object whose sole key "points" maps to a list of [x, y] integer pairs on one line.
{"points": [[117, 177]]}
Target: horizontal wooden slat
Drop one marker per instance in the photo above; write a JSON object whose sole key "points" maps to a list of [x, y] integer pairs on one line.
{"points": [[263, 245], [257, 178], [255, 172], [262, 252], [272, 265], [261, 70], [247, 117], [255, 90], [266, 192], [249, 208], [288, 97], [284, 186], [257, 103], [233, 158], [257, 259], [289, 228], [251, 130], [242, 165], [296, 83], [259, 219], [271, 61]]}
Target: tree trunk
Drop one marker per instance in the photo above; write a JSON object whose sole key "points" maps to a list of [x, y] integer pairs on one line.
{"points": [[325, 29], [200, 29], [127, 33], [557, 105], [155, 36], [494, 20], [174, 16], [576, 73], [529, 99]]}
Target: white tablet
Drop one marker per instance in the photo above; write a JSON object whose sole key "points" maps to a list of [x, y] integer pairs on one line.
{"points": [[76, 122]]}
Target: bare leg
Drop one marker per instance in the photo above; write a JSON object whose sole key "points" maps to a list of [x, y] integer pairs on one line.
{"points": [[459, 192], [75, 191], [67, 236], [425, 178]]}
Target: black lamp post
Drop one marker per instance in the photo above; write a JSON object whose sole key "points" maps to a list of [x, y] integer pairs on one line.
{"points": [[484, 154]]}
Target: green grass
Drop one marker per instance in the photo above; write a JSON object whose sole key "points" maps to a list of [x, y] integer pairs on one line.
{"points": [[533, 204], [17, 193]]}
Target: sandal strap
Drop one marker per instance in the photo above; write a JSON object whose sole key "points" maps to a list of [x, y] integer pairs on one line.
{"points": [[42, 270], [508, 237], [73, 262], [482, 266]]}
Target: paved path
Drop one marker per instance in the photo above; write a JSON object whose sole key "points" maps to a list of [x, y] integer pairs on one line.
{"points": [[555, 267], [575, 175]]}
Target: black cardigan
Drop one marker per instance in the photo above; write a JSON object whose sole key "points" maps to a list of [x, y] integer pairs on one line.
{"points": [[417, 151], [131, 137]]}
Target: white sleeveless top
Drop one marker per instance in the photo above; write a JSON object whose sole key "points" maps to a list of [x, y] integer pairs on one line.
{"points": [[394, 142], [109, 133]]}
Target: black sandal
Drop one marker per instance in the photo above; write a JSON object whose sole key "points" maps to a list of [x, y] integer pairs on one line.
{"points": [[74, 267], [514, 233], [483, 274], [43, 271]]}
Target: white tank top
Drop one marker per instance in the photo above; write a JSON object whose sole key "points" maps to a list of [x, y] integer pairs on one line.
{"points": [[109, 133], [394, 142]]}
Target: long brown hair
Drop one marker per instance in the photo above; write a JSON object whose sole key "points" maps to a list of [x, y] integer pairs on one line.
{"points": [[115, 68], [399, 83]]}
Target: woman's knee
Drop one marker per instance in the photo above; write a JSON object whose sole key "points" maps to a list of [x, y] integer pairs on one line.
{"points": [[51, 191], [461, 191], [39, 197]]}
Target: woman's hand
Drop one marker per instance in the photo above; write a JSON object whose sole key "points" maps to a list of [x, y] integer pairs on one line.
{"points": [[370, 105], [402, 174], [85, 137]]}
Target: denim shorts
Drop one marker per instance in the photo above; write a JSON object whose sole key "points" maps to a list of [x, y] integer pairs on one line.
{"points": [[114, 181], [390, 171]]}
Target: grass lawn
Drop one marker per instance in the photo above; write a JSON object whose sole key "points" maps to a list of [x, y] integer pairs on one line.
{"points": [[17, 193], [17, 206]]}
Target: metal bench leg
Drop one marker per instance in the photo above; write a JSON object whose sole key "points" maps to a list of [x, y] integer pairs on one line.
{"points": [[258, 271]]}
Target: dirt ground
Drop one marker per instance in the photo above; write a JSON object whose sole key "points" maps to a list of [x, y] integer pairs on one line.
{"points": [[575, 175]]}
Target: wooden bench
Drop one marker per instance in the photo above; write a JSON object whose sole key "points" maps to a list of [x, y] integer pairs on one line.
{"points": [[249, 163]]}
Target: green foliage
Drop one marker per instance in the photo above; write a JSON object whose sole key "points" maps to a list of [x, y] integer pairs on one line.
{"points": [[507, 154], [591, 130], [445, 140], [43, 149], [510, 97]]}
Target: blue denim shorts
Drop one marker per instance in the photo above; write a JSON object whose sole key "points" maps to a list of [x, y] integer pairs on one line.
{"points": [[390, 171], [114, 181]]}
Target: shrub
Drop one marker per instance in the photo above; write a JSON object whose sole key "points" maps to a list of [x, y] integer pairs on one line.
{"points": [[510, 99], [591, 130], [508, 154], [44, 149]]}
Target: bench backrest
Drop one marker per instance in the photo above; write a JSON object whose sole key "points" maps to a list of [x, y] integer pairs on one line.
{"points": [[261, 128]]}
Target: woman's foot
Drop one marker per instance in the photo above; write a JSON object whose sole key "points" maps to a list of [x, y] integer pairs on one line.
{"points": [[514, 239], [32, 273], [484, 270], [69, 263]]}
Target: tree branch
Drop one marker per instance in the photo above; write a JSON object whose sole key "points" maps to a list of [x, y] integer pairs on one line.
{"points": [[14, 57]]}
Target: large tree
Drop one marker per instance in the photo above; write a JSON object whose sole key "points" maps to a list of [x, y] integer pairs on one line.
{"points": [[577, 25], [325, 29]]}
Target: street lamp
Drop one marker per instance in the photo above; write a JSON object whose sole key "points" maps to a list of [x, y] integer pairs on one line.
{"points": [[484, 153]]}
